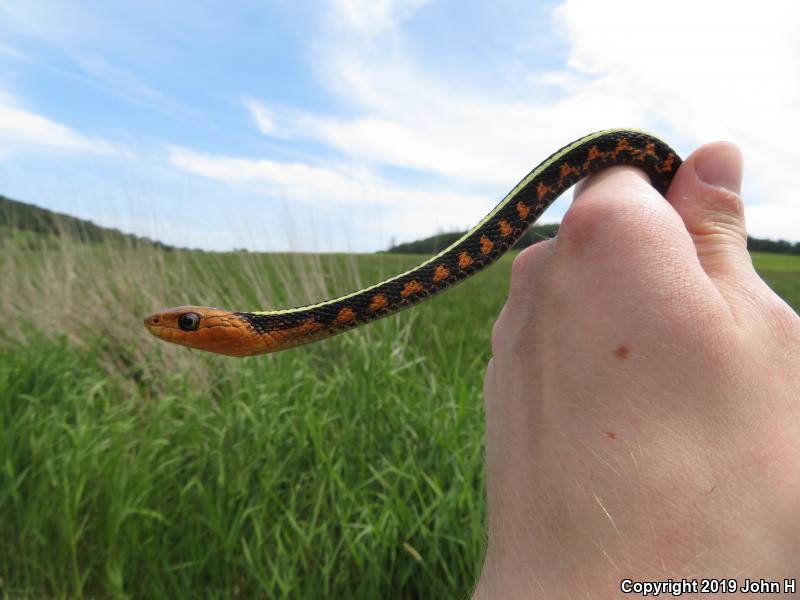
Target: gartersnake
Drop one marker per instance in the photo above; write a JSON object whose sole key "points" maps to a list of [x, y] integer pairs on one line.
{"points": [[246, 333]]}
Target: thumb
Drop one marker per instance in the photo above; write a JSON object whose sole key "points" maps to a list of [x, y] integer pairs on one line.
{"points": [[706, 194]]}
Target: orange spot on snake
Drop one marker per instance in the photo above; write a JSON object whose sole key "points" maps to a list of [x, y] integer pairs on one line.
{"points": [[486, 245], [310, 325], [285, 338], [346, 315], [412, 287], [622, 144], [567, 170], [622, 352], [440, 273], [522, 210], [667, 164], [542, 190], [593, 154], [505, 228], [379, 301], [611, 435], [464, 260]]}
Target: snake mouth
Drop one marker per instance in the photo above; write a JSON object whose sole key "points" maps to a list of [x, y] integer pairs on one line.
{"points": [[161, 327], [155, 325]]}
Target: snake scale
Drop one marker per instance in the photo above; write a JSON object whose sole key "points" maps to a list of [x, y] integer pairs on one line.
{"points": [[243, 333]]}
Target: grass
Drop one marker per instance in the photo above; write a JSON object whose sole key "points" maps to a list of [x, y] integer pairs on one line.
{"points": [[782, 273], [288, 480], [132, 469]]}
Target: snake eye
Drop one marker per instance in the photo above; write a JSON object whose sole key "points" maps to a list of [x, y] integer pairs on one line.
{"points": [[189, 321]]}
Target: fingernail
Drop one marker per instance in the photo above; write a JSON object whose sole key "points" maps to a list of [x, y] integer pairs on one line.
{"points": [[720, 165]]}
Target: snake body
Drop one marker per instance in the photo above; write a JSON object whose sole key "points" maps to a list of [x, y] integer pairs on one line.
{"points": [[239, 333]]}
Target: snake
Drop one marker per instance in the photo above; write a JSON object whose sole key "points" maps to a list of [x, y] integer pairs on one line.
{"points": [[246, 333]]}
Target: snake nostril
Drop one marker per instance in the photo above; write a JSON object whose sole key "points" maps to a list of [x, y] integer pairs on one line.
{"points": [[155, 321]]}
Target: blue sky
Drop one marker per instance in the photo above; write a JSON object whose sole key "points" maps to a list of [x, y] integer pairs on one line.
{"points": [[348, 124]]}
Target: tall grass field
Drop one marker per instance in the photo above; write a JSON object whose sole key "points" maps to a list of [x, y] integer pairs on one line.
{"points": [[129, 468]]}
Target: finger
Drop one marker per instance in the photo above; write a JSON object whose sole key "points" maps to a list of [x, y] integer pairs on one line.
{"points": [[706, 195], [527, 272], [617, 217], [584, 185]]}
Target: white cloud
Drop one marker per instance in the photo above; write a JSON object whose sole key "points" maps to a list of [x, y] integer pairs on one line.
{"points": [[693, 73], [414, 118], [305, 182], [20, 128], [709, 70], [261, 115], [474, 140], [371, 17], [411, 212]]}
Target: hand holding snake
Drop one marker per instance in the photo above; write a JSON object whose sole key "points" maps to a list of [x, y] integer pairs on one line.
{"points": [[642, 405]]}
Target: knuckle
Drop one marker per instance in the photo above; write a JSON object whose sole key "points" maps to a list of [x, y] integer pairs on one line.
{"points": [[603, 224], [725, 202], [526, 269], [723, 213], [582, 224], [521, 264]]}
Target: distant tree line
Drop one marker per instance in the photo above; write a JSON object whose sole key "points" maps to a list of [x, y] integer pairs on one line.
{"points": [[779, 247], [440, 241], [16, 215], [21, 216], [537, 233]]}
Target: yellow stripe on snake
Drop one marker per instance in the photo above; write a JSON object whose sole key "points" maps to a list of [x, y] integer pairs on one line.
{"points": [[244, 333]]}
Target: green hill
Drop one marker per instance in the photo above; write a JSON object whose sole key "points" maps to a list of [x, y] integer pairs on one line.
{"points": [[32, 226], [440, 241], [537, 233]]}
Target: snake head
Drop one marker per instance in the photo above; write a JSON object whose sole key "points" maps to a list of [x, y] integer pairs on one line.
{"points": [[210, 329]]}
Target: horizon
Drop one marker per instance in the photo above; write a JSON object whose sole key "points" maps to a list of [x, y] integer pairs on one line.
{"points": [[392, 244], [353, 123]]}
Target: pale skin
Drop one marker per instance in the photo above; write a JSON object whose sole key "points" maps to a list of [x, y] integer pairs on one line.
{"points": [[643, 399]]}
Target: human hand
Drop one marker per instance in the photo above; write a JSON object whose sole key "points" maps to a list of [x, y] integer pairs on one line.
{"points": [[643, 401]]}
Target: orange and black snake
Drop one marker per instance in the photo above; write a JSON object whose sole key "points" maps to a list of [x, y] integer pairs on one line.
{"points": [[239, 333]]}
